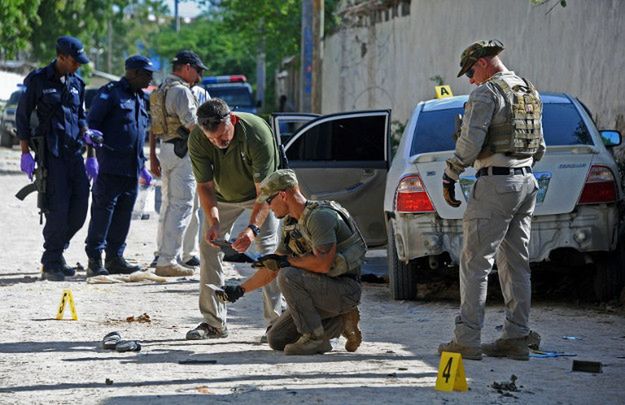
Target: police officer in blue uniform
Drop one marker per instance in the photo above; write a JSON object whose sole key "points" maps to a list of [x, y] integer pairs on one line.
{"points": [[56, 93], [119, 110]]}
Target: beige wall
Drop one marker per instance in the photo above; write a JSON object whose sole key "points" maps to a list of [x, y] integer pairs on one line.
{"points": [[579, 49]]}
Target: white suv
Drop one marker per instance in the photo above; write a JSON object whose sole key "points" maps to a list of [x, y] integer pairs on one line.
{"points": [[579, 205]]}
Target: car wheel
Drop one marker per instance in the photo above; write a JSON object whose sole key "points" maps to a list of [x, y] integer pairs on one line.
{"points": [[402, 276], [5, 139], [609, 276]]}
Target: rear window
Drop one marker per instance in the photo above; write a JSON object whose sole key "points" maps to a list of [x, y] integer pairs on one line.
{"points": [[562, 125], [233, 96]]}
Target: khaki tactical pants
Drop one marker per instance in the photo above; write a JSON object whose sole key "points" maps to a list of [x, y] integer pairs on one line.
{"points": [[496, 224], [211, 265], [313, 300]]}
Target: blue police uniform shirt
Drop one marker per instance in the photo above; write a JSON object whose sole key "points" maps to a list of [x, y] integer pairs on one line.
{"points": [[59, 105], [121, 114]]}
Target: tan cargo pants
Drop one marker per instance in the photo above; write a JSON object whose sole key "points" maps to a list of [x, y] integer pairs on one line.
{"points": [[211, 265], [497, 225]]}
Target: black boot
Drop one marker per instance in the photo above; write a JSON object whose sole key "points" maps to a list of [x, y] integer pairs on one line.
{"points": [[96, 268], [52, 273], [67, 270], [119, 265]]}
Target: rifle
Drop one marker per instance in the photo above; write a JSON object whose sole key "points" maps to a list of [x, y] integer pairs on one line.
{"points": [[38, 144]]}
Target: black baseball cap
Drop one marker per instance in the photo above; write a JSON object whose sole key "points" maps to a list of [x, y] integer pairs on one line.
{"points": [[190, 57], [71, 46], [139, 62]]}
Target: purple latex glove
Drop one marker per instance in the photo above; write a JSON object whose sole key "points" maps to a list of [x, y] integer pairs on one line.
{"points": [[92, 168], [93, 137], [146, 176], [27, 164]]}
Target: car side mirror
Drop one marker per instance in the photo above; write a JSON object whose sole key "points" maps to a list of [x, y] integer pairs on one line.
{"points": [[610, 137]]}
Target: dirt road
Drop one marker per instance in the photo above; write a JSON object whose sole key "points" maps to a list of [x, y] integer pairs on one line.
{"points": [[48, 361]]}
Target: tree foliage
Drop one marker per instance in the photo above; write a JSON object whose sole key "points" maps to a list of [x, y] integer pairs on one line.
{"points": [[16, 17]]}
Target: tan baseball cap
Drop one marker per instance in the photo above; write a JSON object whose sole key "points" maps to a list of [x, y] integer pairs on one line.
{"points": [[478, 50], [277, 181]]}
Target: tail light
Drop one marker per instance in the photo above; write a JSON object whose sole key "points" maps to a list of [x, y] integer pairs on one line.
{"points": [[411, 196], [600, 186]]}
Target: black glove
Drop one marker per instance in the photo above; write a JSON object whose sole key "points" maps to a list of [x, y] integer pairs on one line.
{"points": [[272, 261], [449, 191], [230, 293]]}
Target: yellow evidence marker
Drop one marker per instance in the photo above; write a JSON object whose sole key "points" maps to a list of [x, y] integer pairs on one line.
{"points": [[67, 298], [443, 91], [451, 373]]}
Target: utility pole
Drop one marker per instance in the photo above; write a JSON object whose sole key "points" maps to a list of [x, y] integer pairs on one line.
{"points": [[261, 66], [109, 56], [312, 30], [176, 16]]}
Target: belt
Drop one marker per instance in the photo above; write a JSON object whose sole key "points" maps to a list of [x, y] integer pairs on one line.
{"points": [[503, 171]]}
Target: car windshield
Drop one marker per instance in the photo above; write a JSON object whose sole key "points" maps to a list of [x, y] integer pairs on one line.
{"points": [[435, 130], [15, 97], [233, 96]]}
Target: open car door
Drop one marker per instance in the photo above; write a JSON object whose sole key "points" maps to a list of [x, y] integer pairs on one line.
{"points": [[345, 157]]}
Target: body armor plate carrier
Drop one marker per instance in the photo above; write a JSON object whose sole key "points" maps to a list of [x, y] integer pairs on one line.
{"points": [[520, 136], [164, 125], [349, 252]]}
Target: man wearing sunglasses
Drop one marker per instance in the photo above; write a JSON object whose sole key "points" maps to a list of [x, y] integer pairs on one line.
{"points": [[231, 153], [173, 109], [317, 265], [501, 137]]}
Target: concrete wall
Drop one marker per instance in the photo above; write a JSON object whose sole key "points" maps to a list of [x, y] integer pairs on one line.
{"points": [[579, 49]]}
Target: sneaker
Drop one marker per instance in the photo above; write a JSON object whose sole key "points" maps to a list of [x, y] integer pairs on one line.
{"points": [[119, 265], [205, 331], [308, 344], [467, 352], [351, 331], [96, 268], [192, 262], [52, 274], [66, 269], [153, 264], [515, 349], [173, 270]]}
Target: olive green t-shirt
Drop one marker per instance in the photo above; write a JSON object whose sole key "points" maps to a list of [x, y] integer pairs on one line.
{"points": [[251, 156]]}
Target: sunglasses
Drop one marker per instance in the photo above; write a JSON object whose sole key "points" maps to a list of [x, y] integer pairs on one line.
{"points": [[470, 73], [212, 123], [270, 198]]}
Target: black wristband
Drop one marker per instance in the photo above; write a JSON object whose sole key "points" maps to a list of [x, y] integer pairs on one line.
{"points": [[254, 228]]}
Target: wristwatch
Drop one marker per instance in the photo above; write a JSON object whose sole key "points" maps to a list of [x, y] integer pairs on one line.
{"points": [[254, 228]]}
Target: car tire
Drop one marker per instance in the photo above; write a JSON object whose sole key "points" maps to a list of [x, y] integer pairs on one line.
{"points": [[609, 275], [402, 276], [6, 140]]}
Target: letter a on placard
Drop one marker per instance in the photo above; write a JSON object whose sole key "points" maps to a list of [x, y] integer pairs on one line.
{"points": [[451, 375], [443, 91], [69, 299]]}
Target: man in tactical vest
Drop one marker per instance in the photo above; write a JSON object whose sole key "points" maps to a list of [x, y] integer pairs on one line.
{"points": [[317, 264], [501, 136], [173, 108]]}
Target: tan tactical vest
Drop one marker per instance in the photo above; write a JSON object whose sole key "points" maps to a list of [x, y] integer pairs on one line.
{"points": [[521, 134], [164, 125], [349, 252]]}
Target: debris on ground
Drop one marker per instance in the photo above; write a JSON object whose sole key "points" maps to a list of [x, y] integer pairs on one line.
{"points": [[373, 279], [505, 387], [587, 366], [108, 381], [143, 318]]}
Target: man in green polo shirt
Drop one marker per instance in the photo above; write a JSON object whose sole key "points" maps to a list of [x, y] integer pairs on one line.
{"points": [[231, 154]]}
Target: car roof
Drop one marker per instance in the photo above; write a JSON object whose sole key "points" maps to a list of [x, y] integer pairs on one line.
{"points": [[458, 101]]}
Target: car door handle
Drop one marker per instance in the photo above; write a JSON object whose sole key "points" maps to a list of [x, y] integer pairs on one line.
{"points": [[346, 192]]}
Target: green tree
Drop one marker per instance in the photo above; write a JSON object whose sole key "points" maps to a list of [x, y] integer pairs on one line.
{"points": [[17, 17]]}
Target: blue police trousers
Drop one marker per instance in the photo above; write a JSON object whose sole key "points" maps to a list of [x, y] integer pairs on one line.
{"points": [[67, 200], [113, 199]]}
